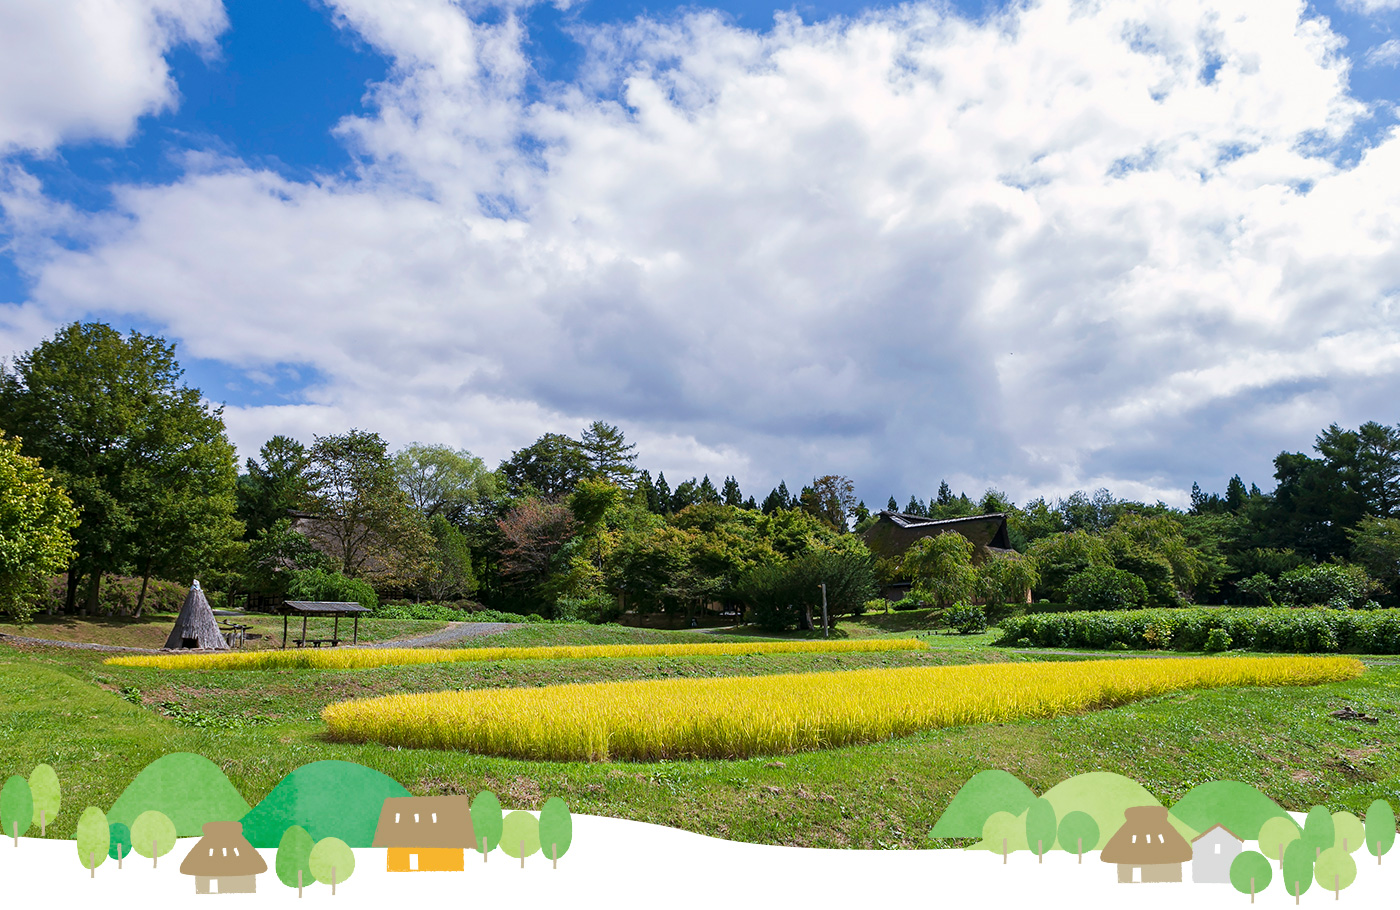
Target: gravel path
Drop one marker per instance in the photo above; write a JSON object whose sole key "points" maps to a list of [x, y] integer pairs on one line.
{"points": [[81, 645], [455, 631]]}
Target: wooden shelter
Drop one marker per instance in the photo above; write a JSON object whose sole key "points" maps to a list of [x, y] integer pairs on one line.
{"points": [[223, 862], [1147, 848], [426, 833], [308, 608], [196, 626]]}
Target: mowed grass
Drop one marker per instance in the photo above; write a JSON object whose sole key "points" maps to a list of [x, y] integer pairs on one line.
{"points": [[152, 629], [737, 717], [64, 707]]}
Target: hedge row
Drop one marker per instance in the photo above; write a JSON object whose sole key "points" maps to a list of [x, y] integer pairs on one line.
{"points": [[1296, 631]]}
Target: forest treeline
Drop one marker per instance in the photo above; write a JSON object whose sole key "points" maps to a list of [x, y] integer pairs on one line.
{"points": [[111, 466]]}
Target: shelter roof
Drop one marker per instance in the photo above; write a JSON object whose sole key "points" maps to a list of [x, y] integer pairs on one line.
{"points": [[323, 606]]}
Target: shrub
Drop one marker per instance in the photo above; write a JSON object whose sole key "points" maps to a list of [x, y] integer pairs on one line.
{"points": [[1218, 640], [1106, 588], [878, 605], [318, 584], [909, 603], [1331, 585], [119, 593], [967, 620], [596, 608]]}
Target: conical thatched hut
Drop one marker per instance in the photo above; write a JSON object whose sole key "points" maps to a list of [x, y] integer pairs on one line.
{"points": [[1147, 848], [196, 626], [223, 862]]}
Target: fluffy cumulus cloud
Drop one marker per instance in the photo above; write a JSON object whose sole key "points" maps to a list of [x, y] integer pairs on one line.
{"points": [[1075, 244]]}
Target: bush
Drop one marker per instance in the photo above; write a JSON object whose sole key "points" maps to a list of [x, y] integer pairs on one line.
{"points": [[318, 584], [596, 608], [1218, 640], [1106, 588], [878, 605], [1330, 585], [118, 595], [909, 603], [967, 620]]}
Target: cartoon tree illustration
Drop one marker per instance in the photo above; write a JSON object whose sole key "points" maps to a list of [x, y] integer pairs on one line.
{"points": [[1003, 833], [556, 828], [331, 861], [16, 807], [1335, 870], [1347, 832], [1077, 830], [1250, 872], [118, 842], [153, 835], [294, 858], [1040, 827], [486, 822], [1318, 830], [1298, 868], [1380, 828], [94, 839], [520, 835], [1275, 835], [44, 790]]}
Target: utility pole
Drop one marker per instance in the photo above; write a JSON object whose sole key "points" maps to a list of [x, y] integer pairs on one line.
{"points": [[825, 627]]}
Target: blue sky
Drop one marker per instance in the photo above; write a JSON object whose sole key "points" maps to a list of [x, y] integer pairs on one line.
{"points": [[1041, 247]]}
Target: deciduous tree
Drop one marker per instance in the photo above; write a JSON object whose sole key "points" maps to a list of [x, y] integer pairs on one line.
{"points": [[47, 796], [941, 568], [520, 835], [331, 862], [1380, 828], [294, 858], [36, 523], [153, 835], [16, 807], [486, 822], [1250, 873], [93, 839], [556, 828], [440, 480]]}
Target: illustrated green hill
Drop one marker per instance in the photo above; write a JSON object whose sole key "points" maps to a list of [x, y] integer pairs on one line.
{"points": [[984, 793], [1105, 796], [188, 788], [1237, 806], [327, 798]]}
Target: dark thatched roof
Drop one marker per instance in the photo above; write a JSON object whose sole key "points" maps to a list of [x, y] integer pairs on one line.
{"points": [[1147, 838], [895, 532], [196, 623], [425, 821], [223, 852]]}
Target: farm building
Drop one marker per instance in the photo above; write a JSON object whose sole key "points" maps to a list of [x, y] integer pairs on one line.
{"points": [[425, 833], [196, 626], [1212, 852], [895, 532], [223, 862], [1147, 848]]}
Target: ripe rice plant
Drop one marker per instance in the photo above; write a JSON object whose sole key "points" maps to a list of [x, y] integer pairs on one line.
{"points": [[734, 717], [362, 658]]}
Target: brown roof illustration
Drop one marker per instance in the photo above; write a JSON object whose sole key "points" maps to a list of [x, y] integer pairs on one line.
{"points": [[223, 851], [1147, 838], [425, 821], [1212, 828]]}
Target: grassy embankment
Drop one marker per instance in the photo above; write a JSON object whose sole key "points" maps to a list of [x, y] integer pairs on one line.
{"points": [[66, 708]]}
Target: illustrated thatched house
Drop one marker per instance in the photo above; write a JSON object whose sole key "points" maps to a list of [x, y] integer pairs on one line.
{"points": [[196, 626], [1212, 852], [426, 833], [893, 533], [223, 862], [1147, 848]]}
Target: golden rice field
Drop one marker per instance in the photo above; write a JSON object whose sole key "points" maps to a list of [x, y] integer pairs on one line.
{"points": [[734, 717], [363, 658]]}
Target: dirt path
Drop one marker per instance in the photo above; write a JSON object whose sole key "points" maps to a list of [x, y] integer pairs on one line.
{"points": [[455, 631]]}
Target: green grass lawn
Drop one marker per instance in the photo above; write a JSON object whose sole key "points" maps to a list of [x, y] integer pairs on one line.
{"points": [[152, 629], [98, 725]]}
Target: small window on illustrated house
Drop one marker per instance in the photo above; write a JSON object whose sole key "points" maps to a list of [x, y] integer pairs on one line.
{"points": [[235, 851], [211, 851], [396, 818], [1134, 838], [1217, 848], [435, 818], [415, 818], [226, 851]]}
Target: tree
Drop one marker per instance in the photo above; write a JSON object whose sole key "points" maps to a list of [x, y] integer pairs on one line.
{"points": [[556, 828], [730, 494], [94, 839], [1003, 833], [831, 498], [662, 503], [1106, 588], [1380, 828], [440, 480], [520, 835], [1005, 579], [1250, 872], [47, 796], [1347, 832], [535, 533], [277, 553], [788, 594], [609, 455], [331, 861], [1375, 545], [486, 822], [153, 835], [294, 858], [1060, 557], [1318, 830], [1275, 835], [548, 467], [36, 518], [941, 568], [16, 807], [1040, 827], [118, 842], [706, 492], [365, 520], [1297, 868], [127, 441], [1077, 831], [272, 484], [448, 572], [778, 500], [1335, 870]]}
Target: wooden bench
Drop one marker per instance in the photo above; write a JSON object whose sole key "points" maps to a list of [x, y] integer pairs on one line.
{"points": [[316, 642]]}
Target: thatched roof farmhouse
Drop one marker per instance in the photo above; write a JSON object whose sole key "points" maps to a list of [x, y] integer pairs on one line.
{"points": [[426, 833], [223, 862], [1147, 848]]}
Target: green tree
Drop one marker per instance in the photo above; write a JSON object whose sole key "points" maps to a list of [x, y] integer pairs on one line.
{"points": [[1297, 868], [832, 498], [486, 821], [47, 796], [941, 568], [36, 518], [1275, 835], [1380, 828], [16, 807], [272, 559], [1003, 833], [1060, 557], [109, 417], [272, 484], [730, 494], [316, 584], [1040, 827], [94, 839], [331, 862], [294, 858], [153, 835], [1347, 832], [440, 480], [1250, 873], [609, 455], [556, 828], [365, 524], [118, 842], [520, 835], [1106, 588], [1318, 830], [548, 467], [1335, 870], [1375, 546], [1005, 579], [1078, 830], [448, 573]]}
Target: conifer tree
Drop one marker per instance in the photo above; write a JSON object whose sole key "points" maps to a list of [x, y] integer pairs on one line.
{"points": [[706, 492], [663, 495], [731, 494]]}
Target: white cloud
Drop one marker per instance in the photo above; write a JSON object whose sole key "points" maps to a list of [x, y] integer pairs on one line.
{"points": [[87, 69], [1384, 54], [1067, 247], [1372, 7]]}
